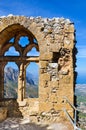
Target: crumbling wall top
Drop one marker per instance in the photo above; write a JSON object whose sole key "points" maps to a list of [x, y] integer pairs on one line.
{"points": [[55, 30]]}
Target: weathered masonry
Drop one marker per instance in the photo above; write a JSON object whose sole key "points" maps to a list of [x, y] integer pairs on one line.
{"points": [[54, 39]]}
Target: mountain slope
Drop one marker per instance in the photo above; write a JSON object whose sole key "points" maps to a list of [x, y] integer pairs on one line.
{"points": [[11, 84]]}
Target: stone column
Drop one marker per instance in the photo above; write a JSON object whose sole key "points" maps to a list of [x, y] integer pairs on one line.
{"points": [[2, 65], [21, 81], [24, 81]]}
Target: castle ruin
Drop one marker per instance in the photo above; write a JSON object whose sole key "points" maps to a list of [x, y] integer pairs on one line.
{"points": [[55, 40]]}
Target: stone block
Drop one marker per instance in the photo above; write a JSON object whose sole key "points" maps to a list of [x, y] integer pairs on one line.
{"points": [[69, 46], [22, 103], [54, 47], [66, 79], [3, 113], [43, 70], [45, 77], [53, 98], [43, 83], [43, 64], [44, 97], [69, 28], [44, 90], [44, 107], [53, 65], [46, 56], [67, 41], [52, 84]]}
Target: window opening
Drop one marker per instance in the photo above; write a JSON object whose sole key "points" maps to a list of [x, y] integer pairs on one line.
{"points": [[12, 40], [33, 52], [32, 80], [35, 41], [11, 80], [24, 41], [11, 52]]}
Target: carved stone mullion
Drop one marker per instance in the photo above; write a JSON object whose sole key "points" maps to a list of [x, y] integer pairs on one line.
{"points": [[2, 66], [21, 81], [24, 82], [18, 48], [29, 47]]}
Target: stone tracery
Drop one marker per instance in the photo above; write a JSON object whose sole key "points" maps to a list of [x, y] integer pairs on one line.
{"points": [[22, 49]]}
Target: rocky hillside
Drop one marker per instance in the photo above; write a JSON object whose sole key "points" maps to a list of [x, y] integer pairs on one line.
{"points": [[80, 92], [11, 84]]}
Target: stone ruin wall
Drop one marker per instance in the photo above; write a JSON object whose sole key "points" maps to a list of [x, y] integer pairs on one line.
{"points": [[56, 77]]}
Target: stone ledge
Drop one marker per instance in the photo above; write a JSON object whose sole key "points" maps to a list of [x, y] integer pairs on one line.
{"points": [[3, 113]]}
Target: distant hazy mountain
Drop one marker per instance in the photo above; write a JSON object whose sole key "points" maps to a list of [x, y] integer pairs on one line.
{"points": [[80, 92], [80, 89], [11, 83]]}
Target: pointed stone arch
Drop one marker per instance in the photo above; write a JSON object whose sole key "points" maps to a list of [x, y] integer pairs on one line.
{"points": [[17, 31]]}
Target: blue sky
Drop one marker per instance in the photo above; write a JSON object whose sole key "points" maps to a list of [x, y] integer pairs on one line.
{"points": [[75, 10]]}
